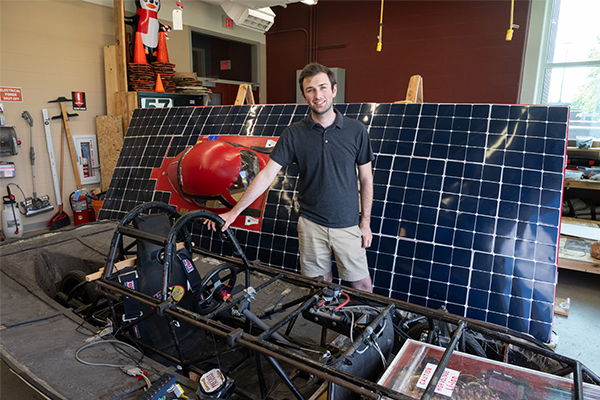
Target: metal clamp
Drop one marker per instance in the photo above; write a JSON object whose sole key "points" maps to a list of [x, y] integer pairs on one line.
{"points": [[162, 306], [231, 336]]}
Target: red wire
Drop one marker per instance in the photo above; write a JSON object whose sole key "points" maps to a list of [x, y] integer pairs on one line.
{"points": [[344, 303]]}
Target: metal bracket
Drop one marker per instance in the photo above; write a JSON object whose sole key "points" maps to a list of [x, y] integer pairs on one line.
{"points": [[231, 336], [162, 306]]}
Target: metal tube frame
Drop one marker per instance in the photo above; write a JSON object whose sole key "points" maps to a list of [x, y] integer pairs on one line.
{"points": [[274, 352]]}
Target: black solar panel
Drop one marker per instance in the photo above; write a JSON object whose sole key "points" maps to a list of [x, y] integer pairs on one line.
{"points": [[467, 199]]}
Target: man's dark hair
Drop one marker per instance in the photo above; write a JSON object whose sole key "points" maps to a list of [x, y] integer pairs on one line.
{"points": [[313, 69]]}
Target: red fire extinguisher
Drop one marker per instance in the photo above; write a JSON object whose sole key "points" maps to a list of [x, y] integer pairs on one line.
{"points": [[79, 205]]}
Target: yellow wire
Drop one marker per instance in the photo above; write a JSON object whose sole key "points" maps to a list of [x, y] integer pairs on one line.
{"points": [[509, 33], [379, 44]]}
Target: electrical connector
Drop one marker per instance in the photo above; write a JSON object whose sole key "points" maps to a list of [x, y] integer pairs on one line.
{"points": [[132, 370]]}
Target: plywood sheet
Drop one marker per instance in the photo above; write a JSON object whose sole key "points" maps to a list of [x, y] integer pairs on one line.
{"points": [[110, 141]]}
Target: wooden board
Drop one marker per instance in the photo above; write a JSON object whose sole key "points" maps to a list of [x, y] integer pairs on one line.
{"points": [[121, 46], [558, 309], [111, 78], [125, 103], [574, 252], [110, 140], [580, 231]]}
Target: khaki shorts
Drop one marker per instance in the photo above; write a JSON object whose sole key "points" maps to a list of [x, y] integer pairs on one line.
{"points": [[318, 242]]}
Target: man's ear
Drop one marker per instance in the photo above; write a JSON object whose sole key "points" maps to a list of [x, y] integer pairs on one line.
{"points": [[334, 91]]}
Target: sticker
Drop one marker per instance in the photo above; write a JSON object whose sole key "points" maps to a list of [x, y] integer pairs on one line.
{"points": [[189, 267], [446, 384], [175, 293], [212, 380], [251, 221], [271, 143]]}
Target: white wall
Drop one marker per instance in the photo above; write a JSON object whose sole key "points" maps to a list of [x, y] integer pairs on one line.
{"points": [[51, 48]]}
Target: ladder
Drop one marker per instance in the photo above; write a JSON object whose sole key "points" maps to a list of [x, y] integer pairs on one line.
{"points": [[414, 93], [244, 93]]}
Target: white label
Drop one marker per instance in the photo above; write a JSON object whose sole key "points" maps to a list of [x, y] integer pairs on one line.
{"points": [[177, 20], [446, 384], [212, 380]]}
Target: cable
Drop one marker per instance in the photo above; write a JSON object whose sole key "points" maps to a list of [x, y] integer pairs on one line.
{"points": [[101, 364], [379, 44], [344, 303], [22, 193], [378, 349], [510, 31]]}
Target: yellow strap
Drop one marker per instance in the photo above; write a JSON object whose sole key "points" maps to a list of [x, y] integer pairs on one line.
{"points": [[379, 44]]}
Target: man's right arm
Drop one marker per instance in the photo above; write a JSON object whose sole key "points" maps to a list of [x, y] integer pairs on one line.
{"points": [[259, 184]]}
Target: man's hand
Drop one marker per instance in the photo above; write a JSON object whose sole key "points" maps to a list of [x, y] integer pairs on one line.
{"points": [[367, 235], [228, 217]]}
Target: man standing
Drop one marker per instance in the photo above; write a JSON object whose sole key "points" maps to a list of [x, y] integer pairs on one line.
{"points": [[328, 148]]}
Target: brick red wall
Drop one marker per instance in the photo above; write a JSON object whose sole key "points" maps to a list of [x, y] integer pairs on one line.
{"points": [[458, 47], [229, 93]]}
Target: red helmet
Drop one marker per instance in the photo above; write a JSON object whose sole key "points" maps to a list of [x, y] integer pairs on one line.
{"points": [[214, 170]]}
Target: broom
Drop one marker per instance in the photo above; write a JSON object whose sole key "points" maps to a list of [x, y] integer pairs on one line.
{"points": [[61, 218]]}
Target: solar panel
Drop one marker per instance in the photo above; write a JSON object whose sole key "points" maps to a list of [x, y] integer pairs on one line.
{"points": [[467, 199]]}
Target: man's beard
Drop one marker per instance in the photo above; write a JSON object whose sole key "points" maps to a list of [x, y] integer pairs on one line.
{"points": [[324, 111]]}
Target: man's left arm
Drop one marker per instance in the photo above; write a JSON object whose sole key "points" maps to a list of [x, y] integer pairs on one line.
{"points": [[365, 176]]}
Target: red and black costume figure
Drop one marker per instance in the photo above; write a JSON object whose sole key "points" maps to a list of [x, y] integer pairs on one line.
{"points": [[145, 21]]}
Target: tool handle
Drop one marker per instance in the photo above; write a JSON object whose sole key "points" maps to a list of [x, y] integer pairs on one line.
{"points": [[27, 117]]}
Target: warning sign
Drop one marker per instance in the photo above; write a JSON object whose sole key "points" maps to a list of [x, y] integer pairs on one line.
{"points": [[445, 385], [13, 94]]}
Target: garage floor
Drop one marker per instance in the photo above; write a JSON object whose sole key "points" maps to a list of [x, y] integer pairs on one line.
{"points": [[578, 333]]}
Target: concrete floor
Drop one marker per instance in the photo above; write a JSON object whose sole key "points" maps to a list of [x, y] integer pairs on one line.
{"points": [[577, 333], [13, 387]]}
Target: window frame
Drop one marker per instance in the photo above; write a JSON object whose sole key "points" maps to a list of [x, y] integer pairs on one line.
{"points": [[536, 51]]}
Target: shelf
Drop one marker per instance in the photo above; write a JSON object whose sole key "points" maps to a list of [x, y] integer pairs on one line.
{"points": [[574, 252], [581, 184]]}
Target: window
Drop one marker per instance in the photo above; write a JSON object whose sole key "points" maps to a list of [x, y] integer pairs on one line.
{"points": [[570, 70], [223, 59]]}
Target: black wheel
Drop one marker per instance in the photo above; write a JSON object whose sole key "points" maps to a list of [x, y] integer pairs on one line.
{"points": [[214, 289], [76, 287]]}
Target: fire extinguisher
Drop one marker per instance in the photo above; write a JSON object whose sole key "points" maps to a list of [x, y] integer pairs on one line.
{"points": [[79, 205]]}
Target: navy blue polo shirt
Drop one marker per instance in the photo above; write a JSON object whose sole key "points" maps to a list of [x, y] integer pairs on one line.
{"points": [[327, 160]]}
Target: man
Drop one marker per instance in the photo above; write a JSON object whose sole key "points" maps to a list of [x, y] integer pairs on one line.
{"points": [[328, 147]]}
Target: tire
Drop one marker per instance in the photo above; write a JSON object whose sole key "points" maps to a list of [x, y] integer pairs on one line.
{"points": [[75, 286]]}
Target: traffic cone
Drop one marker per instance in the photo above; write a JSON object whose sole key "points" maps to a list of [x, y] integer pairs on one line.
{"points": [[163, 55], [139, 55], [159, 85]]}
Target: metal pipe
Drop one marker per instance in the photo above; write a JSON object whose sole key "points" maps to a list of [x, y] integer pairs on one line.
{"points": [[289, 317], [429, 391], [285, 378]]}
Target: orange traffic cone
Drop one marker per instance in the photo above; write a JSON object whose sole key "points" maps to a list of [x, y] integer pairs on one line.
{"points": [[139, 55], [163, 55], [159, 85]]}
